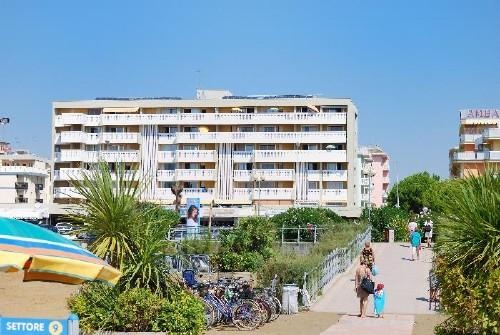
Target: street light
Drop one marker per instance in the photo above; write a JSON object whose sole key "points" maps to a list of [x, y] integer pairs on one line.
{"points": [[257, 177]]}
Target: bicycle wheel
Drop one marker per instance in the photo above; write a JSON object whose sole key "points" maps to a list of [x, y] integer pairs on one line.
{"points": [[247, 315], [277, 308], [266, 308], [210, 315]]}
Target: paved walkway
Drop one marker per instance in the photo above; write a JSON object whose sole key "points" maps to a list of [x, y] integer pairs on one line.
{"points": [[406, 287]]}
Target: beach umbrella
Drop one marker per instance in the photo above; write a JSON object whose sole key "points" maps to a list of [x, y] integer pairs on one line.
{"points": [[47, 256]]}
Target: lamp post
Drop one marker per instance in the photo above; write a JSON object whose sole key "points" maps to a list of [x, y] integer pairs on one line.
{"points": [[257, 177]]}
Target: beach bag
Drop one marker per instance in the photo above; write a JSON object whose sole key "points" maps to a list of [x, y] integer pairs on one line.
{"points": [[375, 270], [367, 285]]}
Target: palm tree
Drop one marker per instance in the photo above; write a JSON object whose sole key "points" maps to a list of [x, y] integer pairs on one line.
{"points": [[109, 210], [469, 236]]}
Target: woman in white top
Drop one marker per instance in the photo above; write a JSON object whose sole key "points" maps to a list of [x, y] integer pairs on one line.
{"points": [[192, 221]]}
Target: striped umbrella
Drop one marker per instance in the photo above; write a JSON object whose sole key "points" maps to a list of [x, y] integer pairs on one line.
{"points": [[47, 256]]}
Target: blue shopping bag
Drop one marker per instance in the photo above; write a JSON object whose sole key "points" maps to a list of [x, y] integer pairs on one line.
{"points": [[375, 270]]}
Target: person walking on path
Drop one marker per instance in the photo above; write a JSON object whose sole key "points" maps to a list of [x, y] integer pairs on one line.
{"points": [[379, 300], [428, 227], [415, 240], [362, 272], [368, 255]]}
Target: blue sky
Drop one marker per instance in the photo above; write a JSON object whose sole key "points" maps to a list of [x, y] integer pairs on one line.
{"points": [[408, 65]]}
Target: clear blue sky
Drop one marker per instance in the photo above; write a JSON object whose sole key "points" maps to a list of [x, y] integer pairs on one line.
{"points": [[408, 65]]}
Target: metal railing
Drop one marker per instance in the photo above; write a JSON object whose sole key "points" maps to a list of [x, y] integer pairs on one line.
{"points": [[335, 263]]}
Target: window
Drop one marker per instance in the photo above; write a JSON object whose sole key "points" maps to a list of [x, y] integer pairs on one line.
{"points": [[313, 185], [309, 147], [302, 109], [192, 165], [335, 128], [92, 147], [334, 185], [187, 110], [116, 129], [191, 130], [267, 166], [248, 110], [310, 128], [168, 111], [244, 166], [166, 184], [333, 166], [94, 111], [191, 147], [334, 109], [268, 184], [268, 129], [168, 130], [94, 130], [313, 166], [167, 166], [245, 129], [267, 147], [39, 201], [167, 147]]}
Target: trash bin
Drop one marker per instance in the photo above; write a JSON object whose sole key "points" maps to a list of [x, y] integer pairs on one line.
{"points": [[390, 236], [289, 301]]}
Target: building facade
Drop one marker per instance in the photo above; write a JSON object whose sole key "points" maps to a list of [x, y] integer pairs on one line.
{"points": [[260, 152], [24, 178], [479, 142], [374, 176]]}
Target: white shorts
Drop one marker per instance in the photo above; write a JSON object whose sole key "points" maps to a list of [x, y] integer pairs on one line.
{"points": [[428, 234], [414, 250]]}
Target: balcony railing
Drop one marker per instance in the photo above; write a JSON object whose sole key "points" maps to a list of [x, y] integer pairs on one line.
{"points": [[165, 175], [469, 156], [328, 175], [290, 156], [205, 194], [270, 175], [327, 195], [263, 137], [23, 170], [120, 137], [492, 155], [66, 192], [195, 174], [491, 133], [195, 155], [469, 138], [247, 194], [77, 174], [201, 118]]}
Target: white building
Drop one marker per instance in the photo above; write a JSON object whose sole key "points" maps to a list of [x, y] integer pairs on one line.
{"points": [[24, 179], [270, 152]]}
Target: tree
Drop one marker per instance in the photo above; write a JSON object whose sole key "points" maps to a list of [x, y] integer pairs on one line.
{"points": [[436, 195], [468, 256], [411, 190]]}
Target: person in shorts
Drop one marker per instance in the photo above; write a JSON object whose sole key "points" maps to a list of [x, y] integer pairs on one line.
{"points": [[428, 226], [415, 241]]}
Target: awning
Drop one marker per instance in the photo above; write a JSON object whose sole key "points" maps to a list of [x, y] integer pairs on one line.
{"points": [[313, 108], [236, 109], [120, 110], [480, 121]]}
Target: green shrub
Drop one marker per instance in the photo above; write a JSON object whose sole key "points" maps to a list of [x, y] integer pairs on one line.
{"points": [[137, 310], [95, 305], [246, 246], [199, 246], [468, 250], [183, 314], [388, 218]]}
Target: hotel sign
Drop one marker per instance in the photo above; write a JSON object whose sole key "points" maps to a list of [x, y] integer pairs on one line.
{"points": [[480, 114]]}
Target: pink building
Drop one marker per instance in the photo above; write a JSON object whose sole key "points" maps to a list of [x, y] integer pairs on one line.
{"points": [[374, 176]]}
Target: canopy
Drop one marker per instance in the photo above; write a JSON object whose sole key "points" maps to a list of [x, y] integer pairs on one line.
{"points": [[120, 110], [48, 256], [313, 108]]}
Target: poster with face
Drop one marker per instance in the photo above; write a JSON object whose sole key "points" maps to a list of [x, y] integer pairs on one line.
{"points": [[193, 212]]}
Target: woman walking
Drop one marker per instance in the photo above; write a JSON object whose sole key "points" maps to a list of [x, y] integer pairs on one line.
{"points": [[362, 272], [368, 255]]}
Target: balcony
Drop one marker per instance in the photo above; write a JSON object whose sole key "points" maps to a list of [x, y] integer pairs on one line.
{"points": [[290, 156], [69, 155], [338, 195], [492, 155], [199, 118], [205, 194], [327, 175], [365, 182], [468, 156], [112, 156], [195, 174], [491, 133], [469, 138], [195, 155], [21, 185], [263, 137], [166, 138], [268, 175], [71, 137], [68, 174], [247, 194], [119, 137], [23, 171], [66, 192], [165, 175]]}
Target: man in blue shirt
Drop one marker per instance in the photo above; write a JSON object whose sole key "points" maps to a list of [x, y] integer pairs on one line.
{"points": [[415, 240]]}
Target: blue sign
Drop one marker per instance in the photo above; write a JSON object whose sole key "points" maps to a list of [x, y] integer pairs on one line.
{"points": [[23, 326]]}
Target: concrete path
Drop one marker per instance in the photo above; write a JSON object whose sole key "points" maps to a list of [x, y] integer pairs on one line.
{"points": [[406, 287]]}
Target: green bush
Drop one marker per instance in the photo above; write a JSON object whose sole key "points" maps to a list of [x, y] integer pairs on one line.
{"points": [[468, 250], [183, 314], [199, 246], [95, 305], [388, 218], [302, 217], [246, 246], [137, 310], [103, 308]]}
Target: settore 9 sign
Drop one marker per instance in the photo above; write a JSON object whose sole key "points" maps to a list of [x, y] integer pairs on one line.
{"points": [[25, 326]]}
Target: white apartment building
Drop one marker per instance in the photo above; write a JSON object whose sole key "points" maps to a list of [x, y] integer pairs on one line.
{"points": [[237, 152], [24, 179]]}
